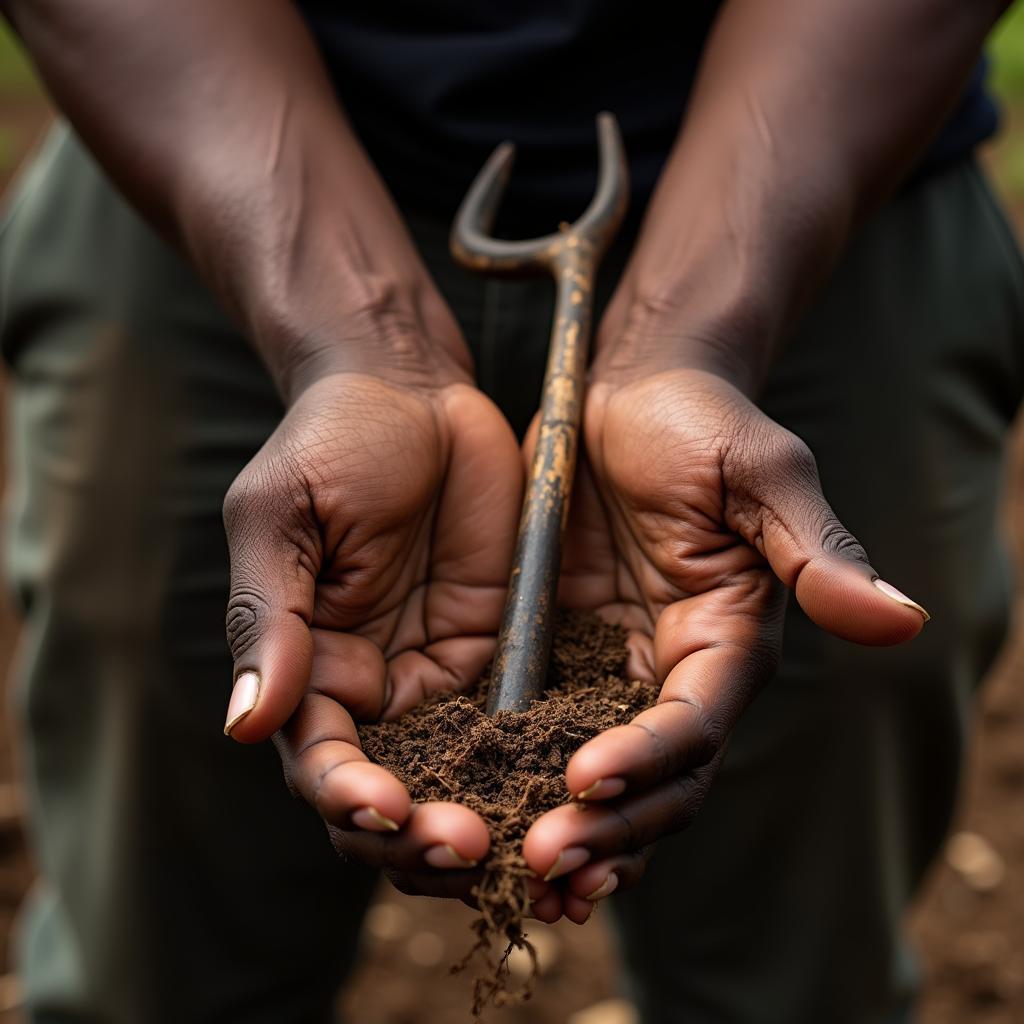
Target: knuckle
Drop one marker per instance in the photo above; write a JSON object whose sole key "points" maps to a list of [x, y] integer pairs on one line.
{"points": [[763, 662], [766, 471], [271, 524], [706, 732], [787, 455], [709, 733], [251, 494], [329, 803], [687, 796], [662, 754], [236, 501], [836, 540], [243, 623], [625, 832]]}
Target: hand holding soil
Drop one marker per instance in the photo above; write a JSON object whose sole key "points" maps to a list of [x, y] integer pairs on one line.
{"points": [[371, 540], [690, 507], [371, 544], [689, 510]]}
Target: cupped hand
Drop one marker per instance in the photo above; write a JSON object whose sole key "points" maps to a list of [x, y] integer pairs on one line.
{"points": [[371, 539], [692, 513]]}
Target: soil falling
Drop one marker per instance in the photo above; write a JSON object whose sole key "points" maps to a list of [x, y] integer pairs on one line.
{"points": [[510, 769]]}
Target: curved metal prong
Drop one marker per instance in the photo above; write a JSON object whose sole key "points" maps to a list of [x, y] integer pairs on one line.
{"points": [[472, 244], [479, 209], [604, 214]]}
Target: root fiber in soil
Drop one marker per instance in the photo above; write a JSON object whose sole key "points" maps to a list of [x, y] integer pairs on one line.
{"points": [[510, 769]]}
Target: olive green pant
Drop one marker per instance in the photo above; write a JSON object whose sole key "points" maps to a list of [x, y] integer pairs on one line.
{"points": [[179, 880]]}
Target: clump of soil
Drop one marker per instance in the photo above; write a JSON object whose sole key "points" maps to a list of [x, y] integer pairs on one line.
{"points": [[510, 769]]}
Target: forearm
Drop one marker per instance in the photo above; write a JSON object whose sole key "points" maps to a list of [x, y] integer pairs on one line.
{"points": [[806, 114], [219, 122]]}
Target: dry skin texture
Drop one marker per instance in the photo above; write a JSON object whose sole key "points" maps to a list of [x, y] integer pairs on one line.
{"points": [[510, 769]]}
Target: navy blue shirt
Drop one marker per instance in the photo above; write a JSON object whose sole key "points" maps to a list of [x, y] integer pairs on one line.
{"points": [[432, 86]]}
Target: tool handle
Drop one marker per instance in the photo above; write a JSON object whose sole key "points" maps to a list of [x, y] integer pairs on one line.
{"points": [[572, 254], [524, 643]]}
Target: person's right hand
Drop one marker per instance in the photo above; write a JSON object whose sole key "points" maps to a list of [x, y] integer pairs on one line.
{"points": [[371, 540]]}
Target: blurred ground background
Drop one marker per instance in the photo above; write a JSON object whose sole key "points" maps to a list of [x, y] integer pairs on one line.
{"points": [[970, 921]]}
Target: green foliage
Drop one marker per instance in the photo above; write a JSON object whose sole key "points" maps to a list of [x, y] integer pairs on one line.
{"points": [[17, 84], [1007, 50], [16, 74]]}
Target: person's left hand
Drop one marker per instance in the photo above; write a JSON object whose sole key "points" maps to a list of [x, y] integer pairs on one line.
{"points": [[691, 509]]}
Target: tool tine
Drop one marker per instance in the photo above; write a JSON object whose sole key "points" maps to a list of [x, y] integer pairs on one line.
{"points": [[604, 214], [471, 242]]}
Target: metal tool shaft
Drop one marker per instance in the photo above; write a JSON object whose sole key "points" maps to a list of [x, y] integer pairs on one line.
{"points": [[572, 255], [524, 643]]}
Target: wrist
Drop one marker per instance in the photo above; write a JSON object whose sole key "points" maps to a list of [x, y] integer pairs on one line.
{"points": [[322, 280], [402, 333], [728, 255], [719, 327]]}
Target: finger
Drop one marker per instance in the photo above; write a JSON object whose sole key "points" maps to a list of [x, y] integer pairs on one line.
{"points": [[791, 523], [718, 649], [451, 885], [567, 838], [325, 765], [546, 908], [351, 670], [273, 567], [443, 667], [444, 837], [584, 889], [640, 660], [599, 879], [575, 909]]}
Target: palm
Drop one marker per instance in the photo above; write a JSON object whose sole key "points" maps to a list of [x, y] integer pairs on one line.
{"points": [[650, 523], [416, 499]]}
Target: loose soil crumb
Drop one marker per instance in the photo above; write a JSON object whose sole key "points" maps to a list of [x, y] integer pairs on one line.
{"points": [[510, 769]]}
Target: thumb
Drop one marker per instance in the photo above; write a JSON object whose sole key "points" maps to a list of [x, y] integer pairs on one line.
{"points": [[784, 514], [270, 605]]}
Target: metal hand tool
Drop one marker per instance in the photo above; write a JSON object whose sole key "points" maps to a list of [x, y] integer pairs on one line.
{"points": [[572, 255]]}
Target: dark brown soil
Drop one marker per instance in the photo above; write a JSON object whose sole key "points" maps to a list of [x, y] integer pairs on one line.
{"points": [[510, 769]]}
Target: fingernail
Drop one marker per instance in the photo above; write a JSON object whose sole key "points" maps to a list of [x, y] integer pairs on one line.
{"points": [[611, 883], [569, 859], [243, 699], [446, 856], [373, 821], [602, 789], [899, 597]]}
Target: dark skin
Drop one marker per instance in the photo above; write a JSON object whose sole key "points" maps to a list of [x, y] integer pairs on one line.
{"points": [[371, 536]]}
